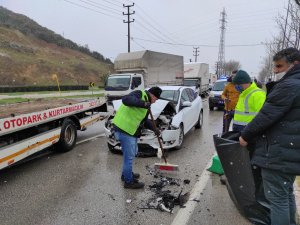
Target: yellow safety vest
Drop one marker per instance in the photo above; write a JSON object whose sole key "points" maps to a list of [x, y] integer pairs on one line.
{"points": [[249, 104], [128, 118]]}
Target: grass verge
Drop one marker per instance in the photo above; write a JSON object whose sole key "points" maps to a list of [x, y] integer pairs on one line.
{"points": [[18, 100], [48, 92], [13, 100]]}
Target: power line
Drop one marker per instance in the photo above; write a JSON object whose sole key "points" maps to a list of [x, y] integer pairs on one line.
{"points": [[100, 6], [201, 45], [81, 6], [113, 3], [162, 35], [156, 24], [150, 31], [137, 43]]}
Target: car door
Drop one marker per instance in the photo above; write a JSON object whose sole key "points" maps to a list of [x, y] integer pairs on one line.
{"points": [[185, 111], [196, 105]]}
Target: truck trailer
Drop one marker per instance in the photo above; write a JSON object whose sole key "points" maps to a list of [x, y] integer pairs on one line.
{"points": [[27, 128], [142, 69], [197, 75]]}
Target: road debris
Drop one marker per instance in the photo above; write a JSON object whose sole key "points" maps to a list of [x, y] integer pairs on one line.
{"points": [[186, 181], [163, 198]]}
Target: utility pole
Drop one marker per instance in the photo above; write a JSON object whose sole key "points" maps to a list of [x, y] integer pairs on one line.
{"points": [[221, 55], [128, 14], [196, 53]]}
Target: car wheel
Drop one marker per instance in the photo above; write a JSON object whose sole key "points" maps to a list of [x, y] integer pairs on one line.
{"points": [[68, 136], [200, 120], [180, 139], [113, 150]]}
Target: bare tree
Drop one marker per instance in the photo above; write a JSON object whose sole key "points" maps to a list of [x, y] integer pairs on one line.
{"points": [[231, 65], [289, 26], [288, 36], [266, 71]]}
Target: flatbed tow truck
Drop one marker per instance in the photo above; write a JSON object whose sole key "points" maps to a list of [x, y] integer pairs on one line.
{"points": [[27, 128]]}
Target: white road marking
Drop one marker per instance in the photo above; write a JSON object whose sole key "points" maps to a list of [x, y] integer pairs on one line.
{"points": [[89, 139], [184, 214]]}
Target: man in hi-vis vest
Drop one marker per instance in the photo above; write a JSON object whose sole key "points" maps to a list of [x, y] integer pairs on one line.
{"points": [[250, 100], [130, 118]]}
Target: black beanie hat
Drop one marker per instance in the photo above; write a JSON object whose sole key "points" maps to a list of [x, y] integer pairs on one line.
{"points": [[241, 77], [156, 91]]}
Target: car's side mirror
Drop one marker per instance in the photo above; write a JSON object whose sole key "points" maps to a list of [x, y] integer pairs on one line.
{"points": [[186, 104]]}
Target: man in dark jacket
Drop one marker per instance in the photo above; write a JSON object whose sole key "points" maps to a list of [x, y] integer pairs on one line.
{"points": [[129, 119], [276, 133]]}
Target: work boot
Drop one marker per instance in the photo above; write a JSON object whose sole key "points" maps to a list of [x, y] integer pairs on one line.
{"points": [[135, 184], [136, 176]]}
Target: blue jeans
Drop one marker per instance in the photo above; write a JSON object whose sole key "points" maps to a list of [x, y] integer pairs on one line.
{"points": [[130, 149], [278, 188]]}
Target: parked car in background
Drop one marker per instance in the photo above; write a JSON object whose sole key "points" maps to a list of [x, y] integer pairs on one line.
{"points": [[178, 110], [215, 99]]}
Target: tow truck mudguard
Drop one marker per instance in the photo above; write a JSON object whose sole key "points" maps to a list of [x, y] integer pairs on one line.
{"points": [[243, 181]]}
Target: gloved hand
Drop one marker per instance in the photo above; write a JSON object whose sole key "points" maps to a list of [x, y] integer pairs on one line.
{"points": [[147, 105], [157, 132], [227, 100]]}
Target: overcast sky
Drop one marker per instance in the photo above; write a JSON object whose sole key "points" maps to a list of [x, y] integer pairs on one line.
{"points": [[170, 26]]}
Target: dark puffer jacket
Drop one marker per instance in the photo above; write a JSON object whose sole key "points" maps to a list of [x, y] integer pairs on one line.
{"points": [[276, 129]]}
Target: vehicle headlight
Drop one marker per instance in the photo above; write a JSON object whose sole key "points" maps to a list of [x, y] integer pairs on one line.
{"points": [[211, 95]]}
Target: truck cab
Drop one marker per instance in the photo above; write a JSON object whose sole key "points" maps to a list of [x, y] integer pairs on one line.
{"points": [[118, 85], [196, 75], [195, 83]]}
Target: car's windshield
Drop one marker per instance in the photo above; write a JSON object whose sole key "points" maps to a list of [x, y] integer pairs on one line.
{"points": [[171, 95], [118, 82], [219, 86], [189, 82]]}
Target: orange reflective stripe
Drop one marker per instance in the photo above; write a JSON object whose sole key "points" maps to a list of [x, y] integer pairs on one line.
{"points": [[28, 148], [91, 121]]}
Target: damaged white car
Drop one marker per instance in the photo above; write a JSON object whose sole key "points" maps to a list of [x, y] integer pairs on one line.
{"points": [[178, 110]]}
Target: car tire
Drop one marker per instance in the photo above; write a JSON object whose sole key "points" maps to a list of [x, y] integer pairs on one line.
{"points": [[181, 138], [200, 120], [113, 150], [68, 136]]}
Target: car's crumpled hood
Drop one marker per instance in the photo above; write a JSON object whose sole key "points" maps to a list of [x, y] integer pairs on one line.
{"points": [[156, 107]]}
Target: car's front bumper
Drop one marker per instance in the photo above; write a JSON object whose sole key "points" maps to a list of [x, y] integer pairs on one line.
{"points": [[170, 139], [216, 101]]}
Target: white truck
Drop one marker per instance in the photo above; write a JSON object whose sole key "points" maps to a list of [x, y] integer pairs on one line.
{"points": [[142, 69], [27, 128], [197, 75]]}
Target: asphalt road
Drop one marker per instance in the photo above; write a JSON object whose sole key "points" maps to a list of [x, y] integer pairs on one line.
{"points": [[83, 186]]}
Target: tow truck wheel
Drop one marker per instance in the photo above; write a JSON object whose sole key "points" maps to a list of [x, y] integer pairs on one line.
{"points": [[68, 136]]}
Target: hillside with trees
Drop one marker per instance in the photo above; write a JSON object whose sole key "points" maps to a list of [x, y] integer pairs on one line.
{"points": [[30, 54]]}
